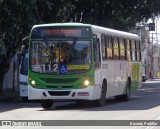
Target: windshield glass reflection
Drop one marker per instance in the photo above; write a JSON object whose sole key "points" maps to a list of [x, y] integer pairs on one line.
{"points": [[60, 57]]}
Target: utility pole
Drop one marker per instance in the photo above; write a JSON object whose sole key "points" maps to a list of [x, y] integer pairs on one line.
{"points": [[156, 51], [152, 57]]}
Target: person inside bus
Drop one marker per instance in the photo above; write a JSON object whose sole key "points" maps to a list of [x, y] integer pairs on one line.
{"points": [[52, 54], [87, 55], [63, 59]]}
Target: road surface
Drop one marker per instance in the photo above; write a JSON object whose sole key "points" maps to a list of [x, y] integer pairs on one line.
{"points": [[144, 105]]}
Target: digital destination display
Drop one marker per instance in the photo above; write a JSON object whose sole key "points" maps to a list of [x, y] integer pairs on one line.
{"points": [[65, 32], [61, 31]]}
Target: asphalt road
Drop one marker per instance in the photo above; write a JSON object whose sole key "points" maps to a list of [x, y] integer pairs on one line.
{"points": [[144, 105]]}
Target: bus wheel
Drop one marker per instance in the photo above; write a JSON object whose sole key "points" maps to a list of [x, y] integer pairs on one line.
{"points": [[46, 104], [24, 99], [102, 100], [126, 96]]}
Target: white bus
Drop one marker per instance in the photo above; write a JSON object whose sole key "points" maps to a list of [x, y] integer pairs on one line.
{"points": [[75, 61], [23, 77]]}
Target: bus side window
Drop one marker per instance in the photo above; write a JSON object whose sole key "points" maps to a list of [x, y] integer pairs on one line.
{"points": [[138, 51], [133, 50], [103, 45], [109, 46], [122, 48], [128, 50], [116, 48], [97, 57], [140, 56], [125, 47]]}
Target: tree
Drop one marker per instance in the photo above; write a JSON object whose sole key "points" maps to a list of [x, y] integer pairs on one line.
{"points": [[18, 16]]}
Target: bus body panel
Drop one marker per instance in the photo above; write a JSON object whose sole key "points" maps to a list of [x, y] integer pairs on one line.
{"points": [[23, 76], [118, 71], [23, 79], [113, 71]]}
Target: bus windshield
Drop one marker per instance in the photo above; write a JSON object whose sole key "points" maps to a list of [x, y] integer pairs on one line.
{"points": [[60, 57]]}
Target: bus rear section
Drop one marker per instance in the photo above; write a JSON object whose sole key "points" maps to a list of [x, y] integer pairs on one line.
{"points": [[23, 77]]}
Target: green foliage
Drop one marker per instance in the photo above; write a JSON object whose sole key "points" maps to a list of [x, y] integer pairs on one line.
{"points": [[18, 16]]}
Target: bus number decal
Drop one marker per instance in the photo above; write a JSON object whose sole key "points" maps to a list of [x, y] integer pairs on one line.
{"points": [[55, 67]]}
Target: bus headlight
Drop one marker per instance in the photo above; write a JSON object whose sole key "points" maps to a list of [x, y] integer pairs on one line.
{"points": [[33, 82], [86, 83]]}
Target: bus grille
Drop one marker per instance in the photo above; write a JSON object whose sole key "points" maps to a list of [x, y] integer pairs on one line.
{"points": [[59, 80], [59, 93], [62, 87]]}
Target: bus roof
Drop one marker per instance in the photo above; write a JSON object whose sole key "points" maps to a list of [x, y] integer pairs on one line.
{"points": [[95, 28], [100, 29]]}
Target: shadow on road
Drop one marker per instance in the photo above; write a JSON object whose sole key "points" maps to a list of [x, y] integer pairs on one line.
{"points": [[145, 98], [7, 106]]}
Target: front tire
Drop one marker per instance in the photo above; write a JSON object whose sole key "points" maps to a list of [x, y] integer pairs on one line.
{"points": [[102, 100], [24, 99], [46, 104]]}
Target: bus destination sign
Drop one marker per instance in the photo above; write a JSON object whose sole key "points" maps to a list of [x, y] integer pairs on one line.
{"points": [[57, 32]]}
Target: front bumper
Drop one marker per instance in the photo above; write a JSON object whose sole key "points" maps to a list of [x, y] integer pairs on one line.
{"points": [[74, 94]]}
